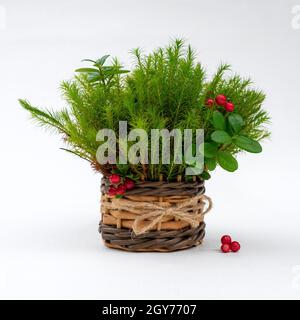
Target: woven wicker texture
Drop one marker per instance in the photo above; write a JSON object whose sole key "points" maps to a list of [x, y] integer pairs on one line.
{"points": [[160, 241], [166, 217]]}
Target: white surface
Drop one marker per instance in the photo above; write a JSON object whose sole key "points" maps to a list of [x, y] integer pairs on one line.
{"points": [[49, 208]]}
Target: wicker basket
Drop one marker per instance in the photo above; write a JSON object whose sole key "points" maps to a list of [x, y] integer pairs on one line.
{"points": [[155, 216]]}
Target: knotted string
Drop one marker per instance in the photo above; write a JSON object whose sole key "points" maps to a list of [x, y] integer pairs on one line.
{"points": [[156, 212]]}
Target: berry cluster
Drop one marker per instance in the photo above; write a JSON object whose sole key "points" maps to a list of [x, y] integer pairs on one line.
{"points": [[119, 185], [229, 245], [222, 101]]}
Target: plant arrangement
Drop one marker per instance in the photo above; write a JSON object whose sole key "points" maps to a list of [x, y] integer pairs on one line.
{"points": [[166, 89]]}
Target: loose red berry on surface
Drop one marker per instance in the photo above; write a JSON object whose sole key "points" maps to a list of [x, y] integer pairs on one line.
{"points": [[235, 246], [229, 106], [121, 189], [226, 239], [129, 184], [209, 102], [114, 179], [225, 248], [221, 100], [112, 191]]}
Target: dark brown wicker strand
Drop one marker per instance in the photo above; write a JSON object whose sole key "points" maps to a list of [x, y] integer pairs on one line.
{"points": [[160, 241], [161, 188]]}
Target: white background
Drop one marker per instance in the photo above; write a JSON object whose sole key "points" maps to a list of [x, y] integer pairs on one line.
{"points": [[49, 205]]}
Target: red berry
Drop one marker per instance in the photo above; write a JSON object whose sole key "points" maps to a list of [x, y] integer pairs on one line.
{"points": [[112, 191], [114, 179], [121, 189], [209, 102], [235, 246], [226, 239], [229, 106], [225, 247], [129, 184], [221, 100]]}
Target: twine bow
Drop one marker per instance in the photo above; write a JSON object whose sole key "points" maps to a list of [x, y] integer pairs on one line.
{"points": [[158, 212]]}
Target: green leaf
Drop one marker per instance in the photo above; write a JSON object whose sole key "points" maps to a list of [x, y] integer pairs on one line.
{"points": [[197, 168], [93, 77], [102, 60], [227, 161], [210, 149], [115, 71], [247, 144], [211, 163], [88, 60], [122, 71], [123, 168], [107, 68], [192, 151], [236, 122], [205, 175], [87, 70], [220, 136], [218, 120]]}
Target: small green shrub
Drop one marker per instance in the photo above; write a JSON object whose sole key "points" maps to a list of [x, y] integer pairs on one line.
{"points": [[166, 89]]}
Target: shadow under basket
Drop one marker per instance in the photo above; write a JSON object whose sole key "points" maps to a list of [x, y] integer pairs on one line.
{"points": [[155, 216]]}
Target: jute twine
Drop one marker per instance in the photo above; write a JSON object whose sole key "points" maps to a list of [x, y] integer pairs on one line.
{"points": [[191, 211]]}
